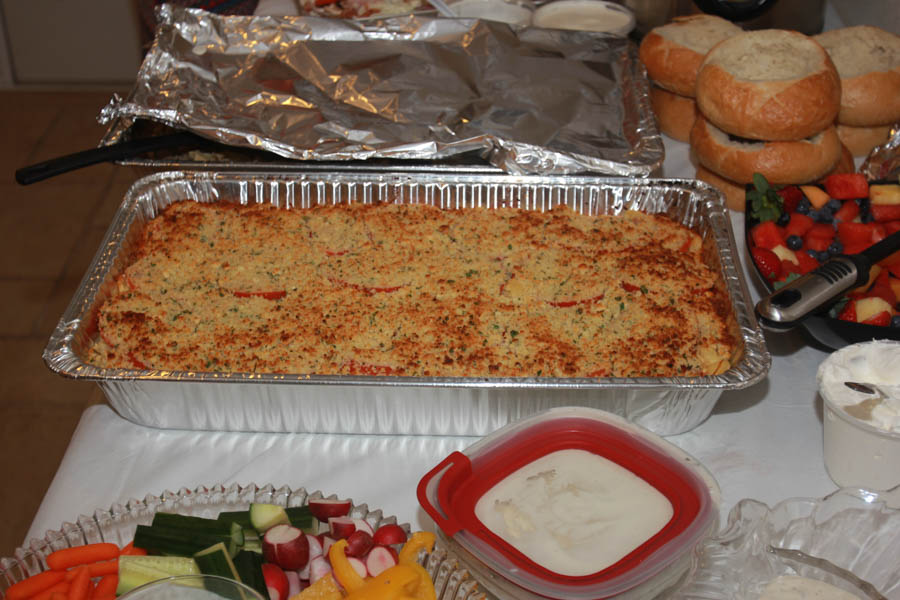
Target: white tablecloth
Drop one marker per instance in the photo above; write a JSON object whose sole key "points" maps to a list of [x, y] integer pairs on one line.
{"points": [[764, 442]]}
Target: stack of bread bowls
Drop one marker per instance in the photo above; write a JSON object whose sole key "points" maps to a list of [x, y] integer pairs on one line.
{"points": [[771, 101], [868, 62]]}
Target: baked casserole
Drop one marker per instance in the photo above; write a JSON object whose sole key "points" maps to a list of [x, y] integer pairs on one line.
{"points": [[416, 290]]}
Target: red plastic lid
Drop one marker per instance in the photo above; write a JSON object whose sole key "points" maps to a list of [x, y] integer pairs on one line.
{"points": [[459, 481]]}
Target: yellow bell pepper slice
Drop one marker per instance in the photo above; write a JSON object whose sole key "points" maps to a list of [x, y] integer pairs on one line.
{"points": [[343, 570], [399, 582], [425, 589], [409, 553]]}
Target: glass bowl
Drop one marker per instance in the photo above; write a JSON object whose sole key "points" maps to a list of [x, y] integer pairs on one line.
{"points": [[852, 529], [193, 587], [117, 524]]}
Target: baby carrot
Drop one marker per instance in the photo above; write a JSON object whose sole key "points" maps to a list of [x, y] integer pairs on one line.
{"points": [[130, 550], [62, 586], [81, 585], [106, 586], [81, 555], [34, 585]]}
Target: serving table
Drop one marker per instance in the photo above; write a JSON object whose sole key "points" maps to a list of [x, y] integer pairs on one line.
{"points": [[763, 442]]}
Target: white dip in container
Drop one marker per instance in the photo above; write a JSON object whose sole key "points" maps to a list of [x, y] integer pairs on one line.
{"points": [[862, 431], [793, 587], [585, 15], [574, 512], [493, 10]]}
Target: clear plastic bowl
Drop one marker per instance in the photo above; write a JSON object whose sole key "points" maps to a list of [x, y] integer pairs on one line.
{"points": [[450, 491]]}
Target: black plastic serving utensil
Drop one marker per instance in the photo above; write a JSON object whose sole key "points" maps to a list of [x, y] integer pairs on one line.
{"points": [[786, 307], [113, 152]]}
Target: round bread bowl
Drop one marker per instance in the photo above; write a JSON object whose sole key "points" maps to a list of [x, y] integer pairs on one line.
{"points": [[861, 140], [770, 84], [868, 61], [672, 53], [780, 162], [675, 114], [734, 192]]}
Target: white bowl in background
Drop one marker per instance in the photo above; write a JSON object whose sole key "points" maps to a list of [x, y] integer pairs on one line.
{"points": [[585, 15], [504, 11]]}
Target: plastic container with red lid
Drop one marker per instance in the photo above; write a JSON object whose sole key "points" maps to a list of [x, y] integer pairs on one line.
{"points": [[450, 492]]}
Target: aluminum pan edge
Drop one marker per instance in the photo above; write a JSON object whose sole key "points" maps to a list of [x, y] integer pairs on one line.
{"points": [[253, 401]]}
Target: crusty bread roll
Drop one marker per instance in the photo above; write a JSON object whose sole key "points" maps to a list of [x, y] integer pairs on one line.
{"points": [[769, 84], [845, 163], [672, 53], [781, 162], [735, 193], [868, 62], [861, 140], [675, 114]]}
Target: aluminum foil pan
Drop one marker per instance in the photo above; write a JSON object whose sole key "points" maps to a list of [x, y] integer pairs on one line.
{"points": [[117, 524], [395, 404], [883, 162], [529, 100]]}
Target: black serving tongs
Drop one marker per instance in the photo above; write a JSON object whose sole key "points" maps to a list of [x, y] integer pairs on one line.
{"points": [[113, 152], [787, 306]]}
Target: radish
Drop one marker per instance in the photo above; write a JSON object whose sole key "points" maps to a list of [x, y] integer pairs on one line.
{"points": [[294, 586], [358, 543], [388, 535], [326, 544], [318, 568], [341, 527], [325, 508], [315, 549], [286, 546], [380, 559], [276, 581], [358, 566], [363, 525]]}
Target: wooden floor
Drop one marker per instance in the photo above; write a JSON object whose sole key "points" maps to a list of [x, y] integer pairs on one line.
{"points": [[49, 232]]}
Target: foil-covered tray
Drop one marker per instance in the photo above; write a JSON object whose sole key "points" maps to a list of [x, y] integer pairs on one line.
{"points": [[396, 404], [526, 100]]}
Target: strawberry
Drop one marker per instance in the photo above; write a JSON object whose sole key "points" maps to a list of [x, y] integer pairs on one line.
{"points": [[767, 262], [845, 186], [791, 195], [767, 235]]}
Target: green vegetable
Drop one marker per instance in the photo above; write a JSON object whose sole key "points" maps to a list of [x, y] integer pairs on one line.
{"points": [[249, 568], [138, 570], [765, 203], [215, 560], [180, 542], [265, 516], [200, 525], [302, 518]]}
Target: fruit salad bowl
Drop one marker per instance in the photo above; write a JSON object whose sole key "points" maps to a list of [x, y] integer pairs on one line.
{"points": [[793, 230]]}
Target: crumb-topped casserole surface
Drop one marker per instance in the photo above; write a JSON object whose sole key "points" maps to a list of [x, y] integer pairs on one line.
{"points": [[414, 290]]}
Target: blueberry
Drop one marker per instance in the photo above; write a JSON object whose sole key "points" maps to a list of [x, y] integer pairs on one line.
{"points": [[813, 214], [823, 256], [895, 321], [826, 215], [834, 205], [783, 219], [813, 253], [835, 248], [803, 207], [794, 242]]}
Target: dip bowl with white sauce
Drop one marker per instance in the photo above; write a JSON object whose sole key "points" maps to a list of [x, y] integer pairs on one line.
{"points": [[585, 15], [862, 420], [572, 503]]}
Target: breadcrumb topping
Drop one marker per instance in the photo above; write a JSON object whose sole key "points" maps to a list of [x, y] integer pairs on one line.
{"points": [[415, 290]]}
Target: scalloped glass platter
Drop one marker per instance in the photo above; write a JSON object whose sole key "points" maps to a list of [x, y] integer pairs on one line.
{"points": [[851, 529], [117, 524]]}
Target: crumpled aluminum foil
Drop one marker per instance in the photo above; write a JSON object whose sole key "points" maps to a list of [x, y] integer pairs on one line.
{"points": [[528, 100], [883, 162]]}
